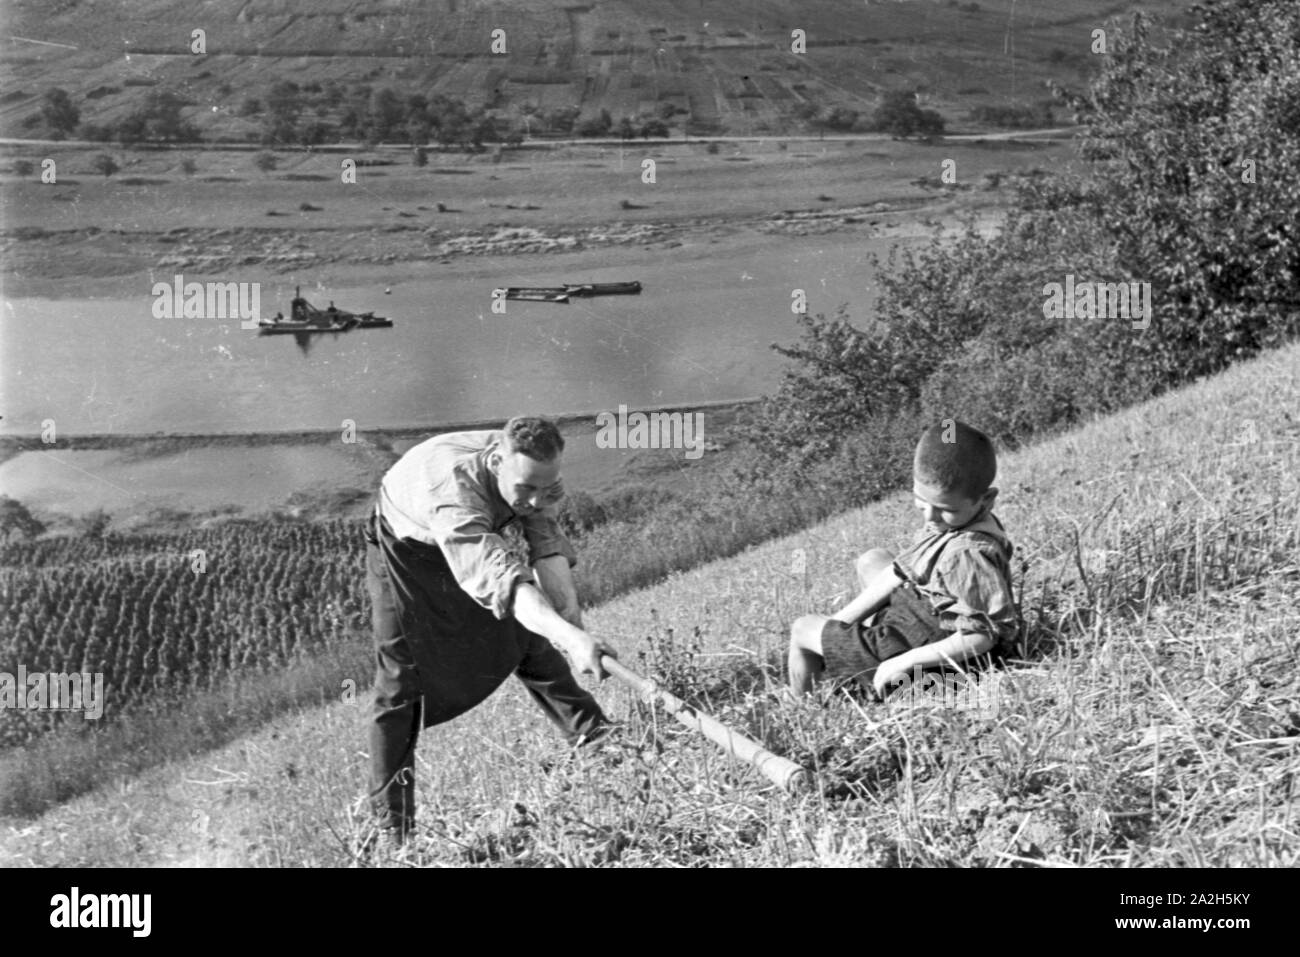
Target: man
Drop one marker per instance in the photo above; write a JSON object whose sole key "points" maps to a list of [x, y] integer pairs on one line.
{"points": [[455, 612]]}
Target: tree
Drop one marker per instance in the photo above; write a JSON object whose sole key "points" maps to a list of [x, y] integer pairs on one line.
{"points": [[23, 167], [451, 131], [103, 163], [95, 524], [59, 113], [16, 522], [283, 107], [266, 162], [132, 128], [900, 115], [1172, 195], [386, 115], [654, 128], [597, 125], [314, 133], [1182, 135], [94, 131], [163, 119], [418, 129], [562, 119], [483, 130], [626, 130], [840, 118]]}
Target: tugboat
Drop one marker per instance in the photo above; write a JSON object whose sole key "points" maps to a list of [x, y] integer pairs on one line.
{"points": [[304, 317]]}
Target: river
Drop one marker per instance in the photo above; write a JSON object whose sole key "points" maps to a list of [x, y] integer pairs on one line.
{"points": [[701, 330]]}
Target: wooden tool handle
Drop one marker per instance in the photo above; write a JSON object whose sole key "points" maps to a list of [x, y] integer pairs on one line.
{"points": [[780, 771]]}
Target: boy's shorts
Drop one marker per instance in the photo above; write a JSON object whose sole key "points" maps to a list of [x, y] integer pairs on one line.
{"points": [[856, 651]]}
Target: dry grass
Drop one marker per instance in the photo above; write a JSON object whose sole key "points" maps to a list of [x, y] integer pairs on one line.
{"points": [[1151, 722]]}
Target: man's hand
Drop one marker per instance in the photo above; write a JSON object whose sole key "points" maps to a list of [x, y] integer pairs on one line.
{"points": [[586, 650], [534, 611]]}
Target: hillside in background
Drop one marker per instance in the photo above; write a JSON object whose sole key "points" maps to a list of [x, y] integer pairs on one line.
{"points": [[703, 65]]}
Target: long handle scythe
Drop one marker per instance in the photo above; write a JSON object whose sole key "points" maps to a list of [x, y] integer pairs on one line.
{"points": [[780, 771]]}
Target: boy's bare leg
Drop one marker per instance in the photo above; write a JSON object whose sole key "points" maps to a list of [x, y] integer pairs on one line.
{"points": [[871, 563], [805, 662]]}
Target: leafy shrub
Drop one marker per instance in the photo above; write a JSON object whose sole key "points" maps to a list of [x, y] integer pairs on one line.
{"points": [[961, 328], [579, 513], [900, 115]]}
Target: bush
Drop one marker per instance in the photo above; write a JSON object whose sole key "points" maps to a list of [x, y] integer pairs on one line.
{"points": [[16, 521], [95, 524], [596, 126], [841, 118], [961, 326], [900, 115], [1005, 396], [59, 113], [1014, 117], [1182, 208], [579, 513], [656, 128], [630, 502], [104, 164], [94, 132]]}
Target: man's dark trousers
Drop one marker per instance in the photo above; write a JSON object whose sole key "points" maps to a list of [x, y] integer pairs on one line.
{"points": [[438, 653]]}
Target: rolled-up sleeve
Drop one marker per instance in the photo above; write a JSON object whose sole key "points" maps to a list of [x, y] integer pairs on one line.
{"points": [[478, 557], [980, 594], [545, 538]]}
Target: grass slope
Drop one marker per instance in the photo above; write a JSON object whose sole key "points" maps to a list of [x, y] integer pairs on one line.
{"points": [[1152, 722]]}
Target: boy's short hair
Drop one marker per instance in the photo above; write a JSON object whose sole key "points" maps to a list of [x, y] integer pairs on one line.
{"points": [[957, 458], [534, 436]]}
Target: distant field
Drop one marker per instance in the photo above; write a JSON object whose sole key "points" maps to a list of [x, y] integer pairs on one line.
{"points": [[730, 66]]}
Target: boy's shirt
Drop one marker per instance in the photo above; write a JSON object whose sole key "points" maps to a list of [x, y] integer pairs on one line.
{"points": [[965, 574]]}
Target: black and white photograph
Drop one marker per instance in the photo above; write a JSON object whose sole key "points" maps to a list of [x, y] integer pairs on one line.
{"points": [[674, 434]]}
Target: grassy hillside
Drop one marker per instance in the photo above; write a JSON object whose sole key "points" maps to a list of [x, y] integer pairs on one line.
{"points": [[1152, 720], [722, 67]]}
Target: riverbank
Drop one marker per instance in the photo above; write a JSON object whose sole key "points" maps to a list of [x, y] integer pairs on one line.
{"points": [[163, 482]]}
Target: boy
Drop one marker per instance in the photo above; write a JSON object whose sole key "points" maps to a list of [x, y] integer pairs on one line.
{"points": [[944, 600], [455, 613]]}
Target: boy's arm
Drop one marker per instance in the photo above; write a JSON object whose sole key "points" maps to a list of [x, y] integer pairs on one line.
{"points": [[955, 648], [982, 610], [871, 598]]}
